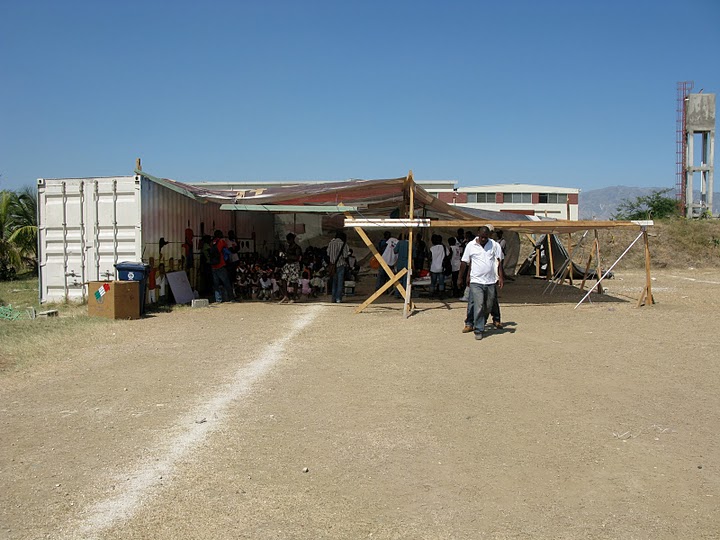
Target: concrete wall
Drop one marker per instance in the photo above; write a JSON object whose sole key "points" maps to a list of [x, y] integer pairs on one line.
{"points": [[700, 112]]}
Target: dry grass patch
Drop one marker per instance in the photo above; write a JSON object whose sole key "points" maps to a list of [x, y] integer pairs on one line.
{"points": [[673, 244], [25, 342]]}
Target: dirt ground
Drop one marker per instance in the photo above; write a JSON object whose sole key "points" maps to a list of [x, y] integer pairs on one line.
{"points": [[306, 421]]}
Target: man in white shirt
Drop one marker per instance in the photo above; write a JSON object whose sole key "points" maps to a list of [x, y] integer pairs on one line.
{"points": [[485, 259]]}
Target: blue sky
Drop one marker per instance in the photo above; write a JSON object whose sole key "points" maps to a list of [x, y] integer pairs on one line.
{"points": [[568, 93]]}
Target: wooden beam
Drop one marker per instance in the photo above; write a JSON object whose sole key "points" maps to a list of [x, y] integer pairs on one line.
{"points": [[392, 281], [369, 223], [544, 227], [296, 209]]}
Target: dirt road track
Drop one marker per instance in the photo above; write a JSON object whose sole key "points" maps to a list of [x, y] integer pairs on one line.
{"points": [[600, 422]]}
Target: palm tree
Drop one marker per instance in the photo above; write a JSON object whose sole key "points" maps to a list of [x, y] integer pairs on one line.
{"points": [[18, 232], [24, 224], [9, 254]]}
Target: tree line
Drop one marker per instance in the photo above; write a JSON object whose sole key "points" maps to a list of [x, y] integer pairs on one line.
{"points": [[657, 205], [18, 232]]}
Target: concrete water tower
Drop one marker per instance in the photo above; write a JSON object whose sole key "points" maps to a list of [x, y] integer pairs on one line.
{"points": [[699, 121]]}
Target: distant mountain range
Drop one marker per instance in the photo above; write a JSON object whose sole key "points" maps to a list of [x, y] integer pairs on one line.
{"points": [[603, 203]]}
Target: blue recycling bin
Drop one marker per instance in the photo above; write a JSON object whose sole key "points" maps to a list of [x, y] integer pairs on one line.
{"points": [[135, 271]]}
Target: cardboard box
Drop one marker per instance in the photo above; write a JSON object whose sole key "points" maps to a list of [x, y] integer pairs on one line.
{"points": [[114, 299]]}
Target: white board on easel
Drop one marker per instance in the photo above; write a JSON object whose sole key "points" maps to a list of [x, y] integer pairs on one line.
{"points": [[180, 287]]}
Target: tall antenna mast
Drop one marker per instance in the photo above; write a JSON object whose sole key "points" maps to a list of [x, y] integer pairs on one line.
{"points": [[683, 89]]}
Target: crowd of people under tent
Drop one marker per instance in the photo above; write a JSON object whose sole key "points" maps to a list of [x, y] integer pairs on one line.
{"points": [[292, 274]]}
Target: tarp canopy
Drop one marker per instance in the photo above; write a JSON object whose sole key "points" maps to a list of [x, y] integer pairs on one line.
{"points": [[372, 198], [380, 199]]}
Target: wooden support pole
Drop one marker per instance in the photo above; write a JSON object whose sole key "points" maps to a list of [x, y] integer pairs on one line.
{"points": [[646, 298], [568, 270], [587, 267], [567, 203], [567, 273], [408, 305], [551, 262], [598, 275]]}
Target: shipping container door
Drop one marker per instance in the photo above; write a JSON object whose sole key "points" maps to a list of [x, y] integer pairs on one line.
{"points": [[86, 225]]}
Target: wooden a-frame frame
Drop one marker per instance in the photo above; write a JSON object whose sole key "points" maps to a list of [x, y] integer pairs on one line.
{"points": [[394, 278], [410, 223]]}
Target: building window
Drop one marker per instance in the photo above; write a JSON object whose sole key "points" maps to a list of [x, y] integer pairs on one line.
{"points": [[481, 198], [486, 197], [517, 197], [553, 198]]}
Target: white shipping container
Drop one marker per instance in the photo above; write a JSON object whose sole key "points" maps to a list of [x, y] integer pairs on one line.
{"points": [[87, 225]]}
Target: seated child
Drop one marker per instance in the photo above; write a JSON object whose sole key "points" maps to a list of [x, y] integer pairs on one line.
{"points": [[242, 287], [254, 285], [266, 285], [318, 285], [305, 288]]}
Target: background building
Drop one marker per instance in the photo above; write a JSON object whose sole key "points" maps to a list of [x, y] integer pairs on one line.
{"points": [[527, 199]]}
